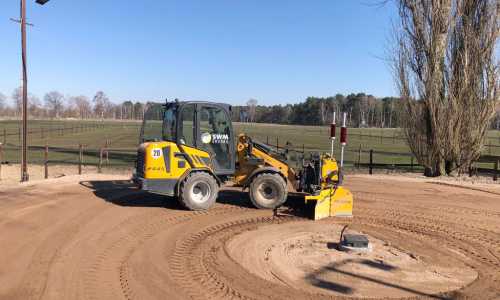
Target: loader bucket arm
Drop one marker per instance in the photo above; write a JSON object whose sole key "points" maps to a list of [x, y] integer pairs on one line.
{"points": [[254, 155]]}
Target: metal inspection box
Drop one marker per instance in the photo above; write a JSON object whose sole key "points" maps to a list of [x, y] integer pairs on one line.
{"points": [[355, 241]]}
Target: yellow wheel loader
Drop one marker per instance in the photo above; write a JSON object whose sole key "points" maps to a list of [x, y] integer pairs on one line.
{"points": [[188, 150]]}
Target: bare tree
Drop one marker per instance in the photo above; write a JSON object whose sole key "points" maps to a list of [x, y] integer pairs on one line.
{"points": [[17, 97], [3, 98], [54, 101], [101, 104], [128, 109], [110, 110], [448, 78], [138, 111], [472, 80], [34, 106], [83, 106], [323, 110], [252, 108]]}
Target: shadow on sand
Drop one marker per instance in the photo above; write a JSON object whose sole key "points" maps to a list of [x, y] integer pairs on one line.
{"points": [[125, 193], [317, 278]]}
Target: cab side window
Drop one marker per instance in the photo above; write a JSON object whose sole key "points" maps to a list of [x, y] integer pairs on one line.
{"points": [[187, 127], [152, 124], [215, 136], [169, 124]]}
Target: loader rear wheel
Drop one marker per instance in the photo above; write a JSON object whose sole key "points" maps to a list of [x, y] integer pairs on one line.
{"points": [[268, 191], [198, 191]]}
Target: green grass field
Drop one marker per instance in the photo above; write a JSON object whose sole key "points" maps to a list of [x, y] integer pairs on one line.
{"points": [[64, 138]]}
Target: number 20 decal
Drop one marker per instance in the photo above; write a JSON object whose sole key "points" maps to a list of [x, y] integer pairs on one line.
{"points": [[156, 153]]}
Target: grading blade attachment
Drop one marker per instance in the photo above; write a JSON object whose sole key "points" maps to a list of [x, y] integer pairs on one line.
{"points": [[330, 202]]}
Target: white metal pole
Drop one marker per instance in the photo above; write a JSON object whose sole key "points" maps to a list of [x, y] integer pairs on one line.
{"points": [[343, 143]]}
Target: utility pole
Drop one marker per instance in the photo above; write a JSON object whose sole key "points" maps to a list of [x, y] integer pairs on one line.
{"points": [[24, 140], [24, 145]]}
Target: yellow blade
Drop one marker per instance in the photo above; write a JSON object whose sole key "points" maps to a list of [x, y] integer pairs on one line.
{"points": [[332, 202]]}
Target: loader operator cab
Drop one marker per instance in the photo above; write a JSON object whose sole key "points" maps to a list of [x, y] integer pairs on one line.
{"points": [[202, 125]]}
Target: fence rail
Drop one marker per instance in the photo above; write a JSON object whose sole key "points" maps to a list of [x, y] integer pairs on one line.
{"points": [[489, 159]]}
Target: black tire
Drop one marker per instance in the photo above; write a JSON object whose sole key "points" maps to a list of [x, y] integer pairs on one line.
{"points": [[268, 191], [198, 191]]}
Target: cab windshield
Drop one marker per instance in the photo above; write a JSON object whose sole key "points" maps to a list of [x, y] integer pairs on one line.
{"points": [[159, 123]]}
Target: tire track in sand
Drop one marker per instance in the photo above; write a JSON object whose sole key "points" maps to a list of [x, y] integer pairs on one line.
{"points": [[110, 272]]}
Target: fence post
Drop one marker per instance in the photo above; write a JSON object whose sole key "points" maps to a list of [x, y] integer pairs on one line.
{"points": [[495, 175], [46, 161], [107, 151], [80, 159], [359, 156], [99, 168], [277, 144], [411, 164], [19, 136], [371, 161], [267, 140]]}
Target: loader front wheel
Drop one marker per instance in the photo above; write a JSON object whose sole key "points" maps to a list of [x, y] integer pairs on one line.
{"points": [[198, 191], [268, 191]]}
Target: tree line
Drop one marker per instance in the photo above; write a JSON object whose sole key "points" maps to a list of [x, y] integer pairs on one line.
{"points": [[362, 111], [55, 105]]}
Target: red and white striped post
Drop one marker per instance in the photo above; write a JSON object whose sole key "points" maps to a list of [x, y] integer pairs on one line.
{"points": [[333, 129]]}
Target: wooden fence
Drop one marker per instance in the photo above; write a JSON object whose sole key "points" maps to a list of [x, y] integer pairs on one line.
{"points": [[494, 161], [106, 156], [79, 156], [411, 166]]}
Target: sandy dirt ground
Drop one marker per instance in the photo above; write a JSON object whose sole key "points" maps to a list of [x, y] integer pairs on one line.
{"points": [[10, 174], [96, 237]]}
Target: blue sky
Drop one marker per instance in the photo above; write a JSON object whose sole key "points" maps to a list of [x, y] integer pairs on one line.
{"points": [[278, 51]]}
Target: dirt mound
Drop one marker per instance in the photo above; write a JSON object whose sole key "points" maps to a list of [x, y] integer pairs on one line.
{"points": [[304, 255]]}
